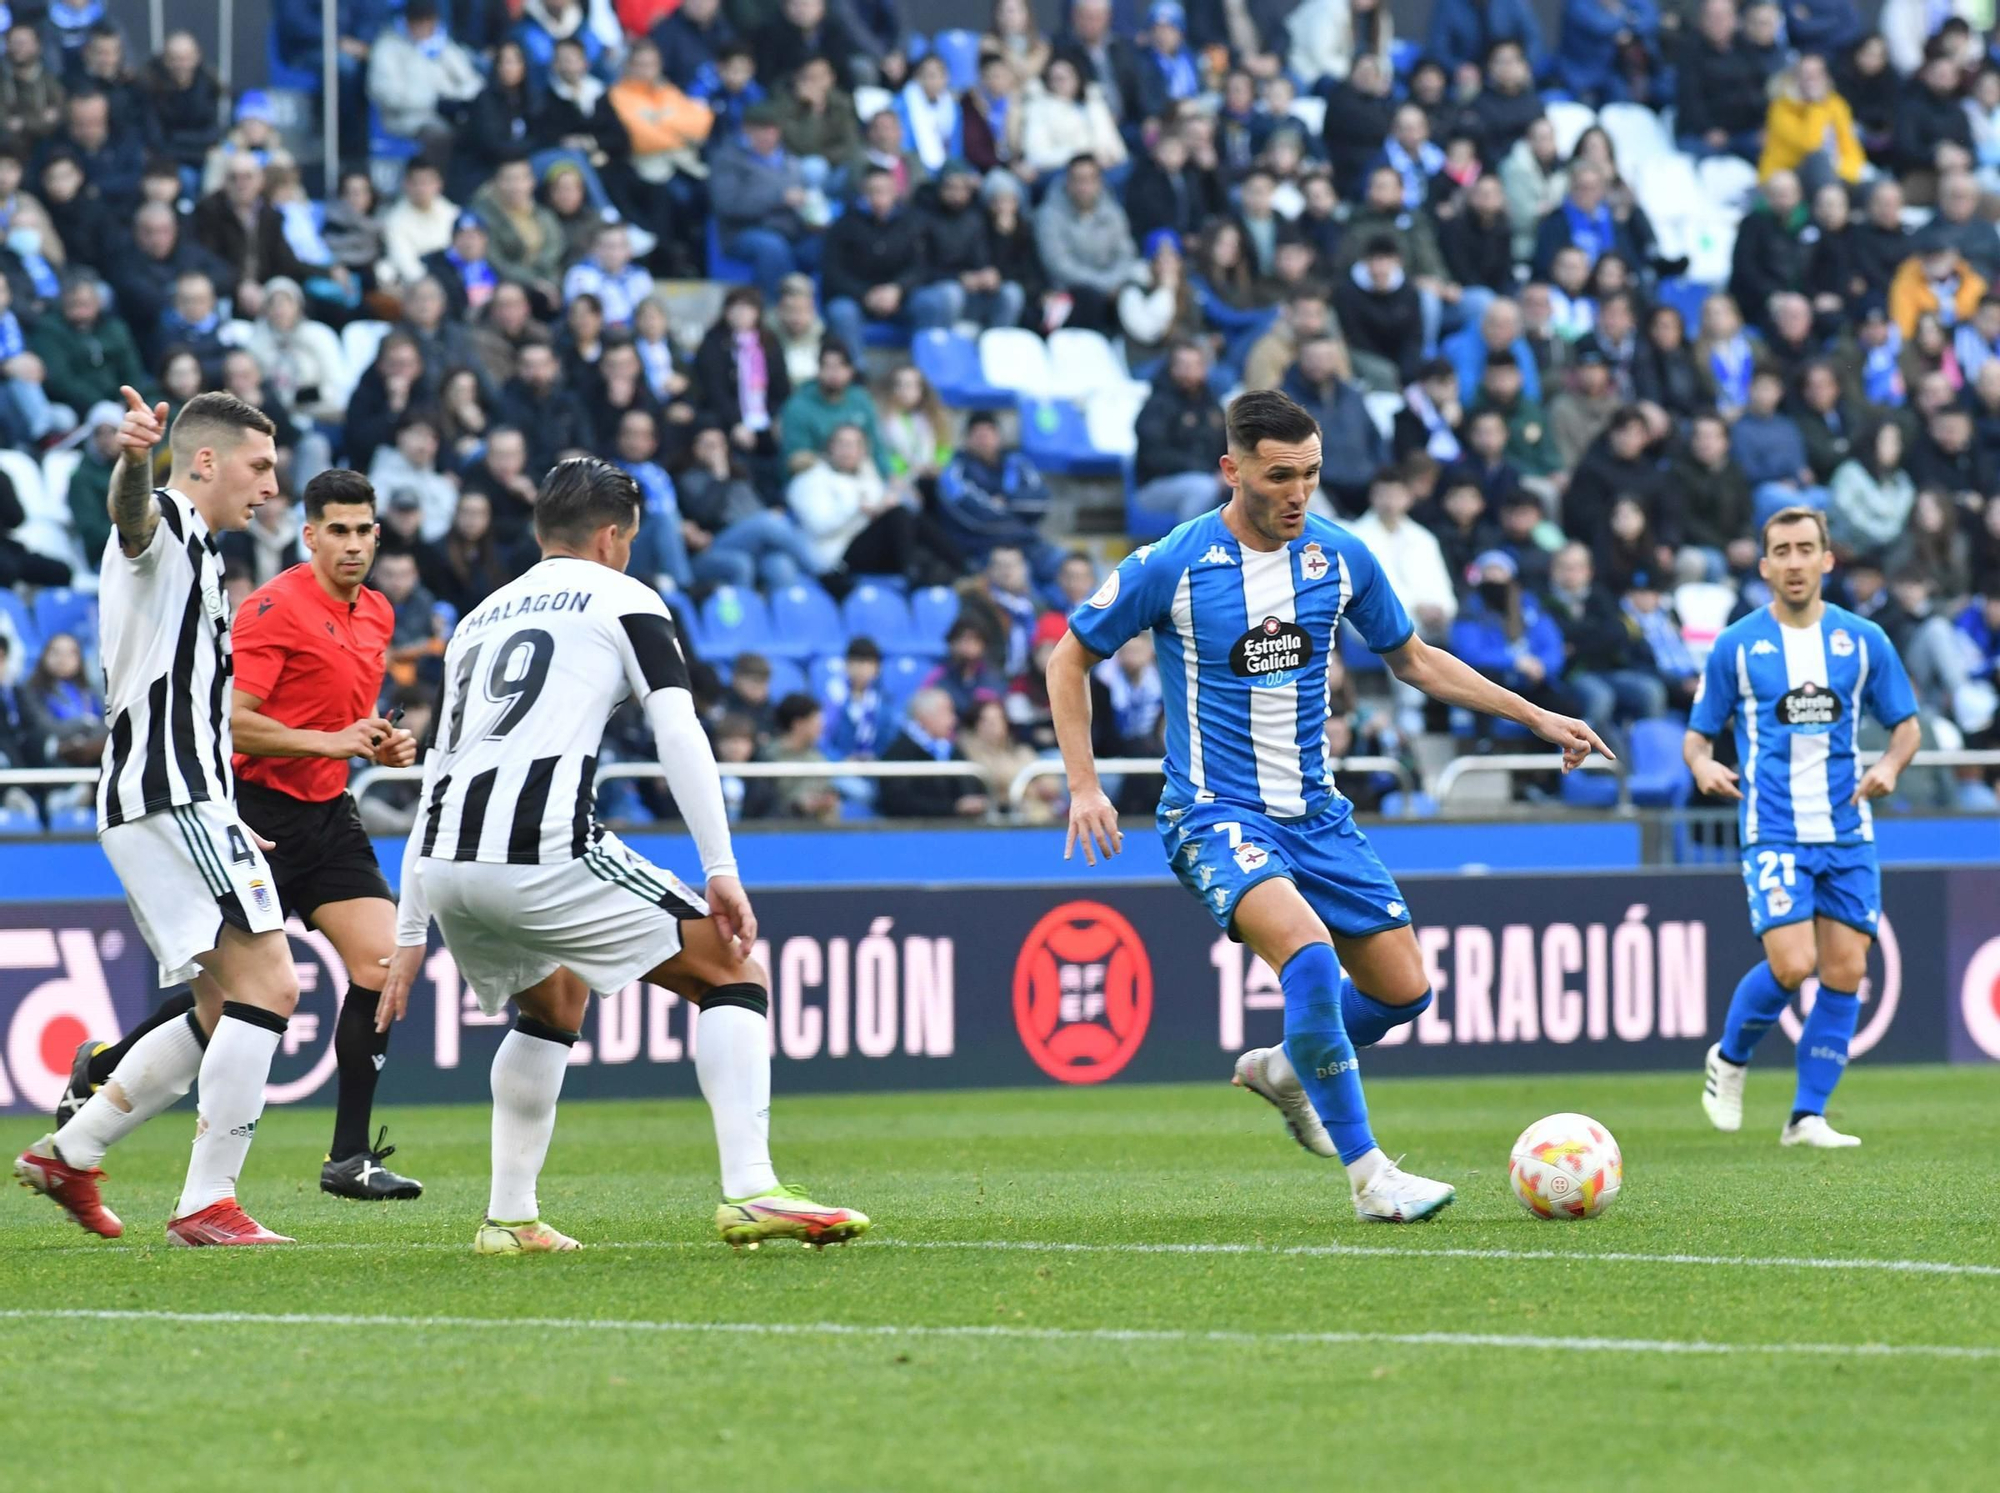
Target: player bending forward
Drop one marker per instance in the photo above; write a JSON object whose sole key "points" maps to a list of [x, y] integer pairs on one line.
{"points": [[1245, 605], [1796, 676], [195, 877], [540, 905]]}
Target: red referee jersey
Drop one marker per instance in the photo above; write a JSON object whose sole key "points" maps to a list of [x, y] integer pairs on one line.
{"points": [[317, 665]]}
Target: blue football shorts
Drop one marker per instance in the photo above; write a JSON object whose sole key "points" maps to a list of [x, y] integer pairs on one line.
{"points": [[1220, 851], [1795, 883]]}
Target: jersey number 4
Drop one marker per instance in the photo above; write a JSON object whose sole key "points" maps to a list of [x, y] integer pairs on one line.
{"points": [[520, 669]]}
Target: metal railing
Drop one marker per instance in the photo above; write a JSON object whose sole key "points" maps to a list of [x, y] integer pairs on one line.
{"points": [[1512, 763], [1050, 767]]}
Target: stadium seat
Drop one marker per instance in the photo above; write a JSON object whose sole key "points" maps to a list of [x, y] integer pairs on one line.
{"points": [[1055, 437], [1403, 56], [804, 621], [58, 609], [933, 609], [1015, 359], [1310, 111], [1080, 363], [359, 343], [1637, 135], [15, 822], [1727, 182], [57, 469], [1111, 416], [1687, 297], [890, 334], [722, 266], [902, 674], [960, 50], [77, 819], [1658, 778], [788, 677], [1415, 805], [1590, 790], [950, 363], [1140, 523], [47, 528], [1383, 409], [16, 613], [870, 101], [298, 79], [875, 611], [736, 620], [826, 677], [383, 146], [1570, 120], [1704, 608]]}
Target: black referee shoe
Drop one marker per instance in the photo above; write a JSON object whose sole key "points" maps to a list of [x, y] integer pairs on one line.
{"points": [[80, 1088], [365, 1179]]}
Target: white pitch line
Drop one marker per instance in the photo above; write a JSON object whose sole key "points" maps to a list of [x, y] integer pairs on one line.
{"points": [[1668, 1346], [1320, 1251]]}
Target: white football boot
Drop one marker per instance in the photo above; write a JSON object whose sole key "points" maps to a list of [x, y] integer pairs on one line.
{"points": [[1812, 1130], [1722, 1090], [1392, 1195], [1268, 1073]]}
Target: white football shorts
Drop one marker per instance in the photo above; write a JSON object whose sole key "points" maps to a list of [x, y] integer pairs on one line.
{"points": [[608, 916], [187, 871]]}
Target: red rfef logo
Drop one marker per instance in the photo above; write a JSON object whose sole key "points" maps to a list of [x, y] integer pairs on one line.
{"points": [[1083, 993]]}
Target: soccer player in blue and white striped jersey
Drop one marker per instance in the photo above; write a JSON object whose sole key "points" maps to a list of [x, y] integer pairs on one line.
{"points": [[1245, 605], [1795, 676]]}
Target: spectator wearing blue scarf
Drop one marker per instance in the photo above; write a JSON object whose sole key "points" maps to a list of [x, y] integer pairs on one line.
{"points": [[1167, 71], [1411, 154], [1585, 220], [1647, 612]]}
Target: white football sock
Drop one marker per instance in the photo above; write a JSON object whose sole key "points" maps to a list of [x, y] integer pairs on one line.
{"points": [[233, 1071], [527, 1080], [732, 1059], [159, 1068]]}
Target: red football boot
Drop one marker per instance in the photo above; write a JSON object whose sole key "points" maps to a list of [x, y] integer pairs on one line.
{"points": [[72, 1189], [221, 1223]]}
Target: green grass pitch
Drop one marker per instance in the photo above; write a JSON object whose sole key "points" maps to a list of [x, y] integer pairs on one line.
{"points": [[1282, 1362]]}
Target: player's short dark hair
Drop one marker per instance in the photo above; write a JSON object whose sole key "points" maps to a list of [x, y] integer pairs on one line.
{"points": [[336, 485], [582, 495], [1267, 415], [864, 648], [218, 420], [1796, 514], [795, 708]]}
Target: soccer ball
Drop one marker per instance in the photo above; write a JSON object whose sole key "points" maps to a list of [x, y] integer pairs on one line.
{"points": [[1566, 1166]]}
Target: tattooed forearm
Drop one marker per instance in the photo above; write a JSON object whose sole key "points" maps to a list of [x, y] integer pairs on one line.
{"points": [[132, 507]]}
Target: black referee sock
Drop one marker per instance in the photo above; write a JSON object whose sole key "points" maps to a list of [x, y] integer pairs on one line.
{"points": [[360, 1051], [101, 1066]]}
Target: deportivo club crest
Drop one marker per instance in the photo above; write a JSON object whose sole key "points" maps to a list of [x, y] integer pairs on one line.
{"points": [[1313, 564]]}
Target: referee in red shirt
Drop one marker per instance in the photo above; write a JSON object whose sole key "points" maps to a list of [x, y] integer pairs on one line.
{"points": [[310, 649]]}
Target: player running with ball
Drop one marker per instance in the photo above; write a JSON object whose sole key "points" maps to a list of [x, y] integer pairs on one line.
{"points": [[1796, 676], [1245, 605], [540, 904]]}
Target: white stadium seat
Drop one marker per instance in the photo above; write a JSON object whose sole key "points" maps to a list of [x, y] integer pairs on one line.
{"points": [[1015, 359], [1636, 134], [1570, 120], [1081, 362]]}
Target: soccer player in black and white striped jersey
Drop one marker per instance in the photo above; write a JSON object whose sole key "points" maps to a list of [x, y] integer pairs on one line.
{"points": [[540, 904], [195, 876]]}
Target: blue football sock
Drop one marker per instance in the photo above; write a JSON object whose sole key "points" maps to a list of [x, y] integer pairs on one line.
{"points": [[1823, 1048], [1368, 1020], [1316, 1041], [1753, 1011]]}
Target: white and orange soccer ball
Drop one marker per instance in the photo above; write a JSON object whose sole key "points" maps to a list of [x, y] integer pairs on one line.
{"points": [[1566, 1166]]}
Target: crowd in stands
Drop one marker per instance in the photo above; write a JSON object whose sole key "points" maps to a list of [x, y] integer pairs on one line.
{"points": [[1575, 312]]}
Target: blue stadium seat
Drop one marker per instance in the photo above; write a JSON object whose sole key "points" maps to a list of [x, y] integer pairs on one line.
{"points": [[1403, 55], [383, 146], [19, 822], [951, 364], [58, 609], [1590, 790], [788, 677], [875, 611], [1417, 805], [16, 611], [1056, 439], [932, 612], [735, 620], [721, 266], [916, 47], [826, 674], [804, 621], [960, 50], [1686, 297], [297, 79], [1658, 778], [74, 820], [902, 673], [1140, 523], [891, 334]]}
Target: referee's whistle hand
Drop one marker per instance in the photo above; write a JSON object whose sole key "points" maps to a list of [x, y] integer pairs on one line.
{"points": [[400, 750], [362, 739]]}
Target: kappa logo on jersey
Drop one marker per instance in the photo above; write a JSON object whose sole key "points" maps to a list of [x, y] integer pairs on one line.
{"points": [[1106, 593], [1840, 643], [1217, 555], [1762, 646], [1271, 650], [1143, 553], [1083, 992], [1313, 564], [1250, 857], [1810, 707], [1205, 875], [1395, 909]]}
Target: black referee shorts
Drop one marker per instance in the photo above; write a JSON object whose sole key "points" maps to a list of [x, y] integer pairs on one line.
{"points": [[322, 853]]}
